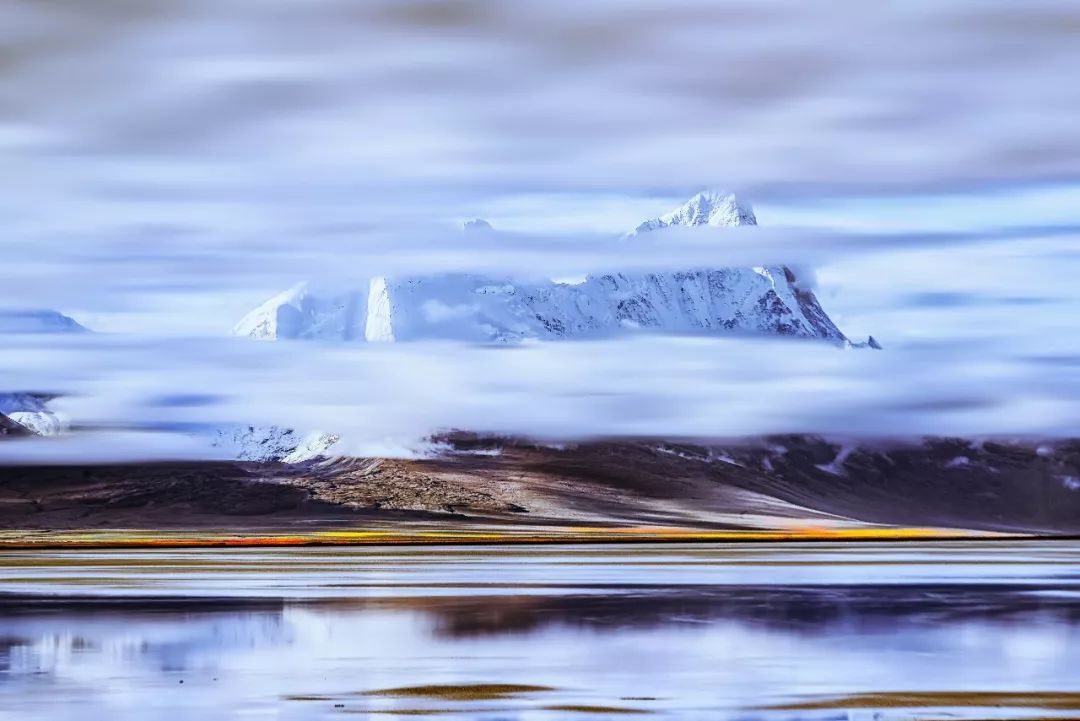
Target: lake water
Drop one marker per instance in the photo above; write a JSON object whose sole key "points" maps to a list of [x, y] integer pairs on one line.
{"points": [[741, 632]]}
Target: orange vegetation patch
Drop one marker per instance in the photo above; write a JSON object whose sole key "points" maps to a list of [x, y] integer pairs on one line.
{"points": [[12, 540]]}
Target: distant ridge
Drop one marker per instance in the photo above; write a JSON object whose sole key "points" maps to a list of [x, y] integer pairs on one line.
{"points": [[38, 321]]}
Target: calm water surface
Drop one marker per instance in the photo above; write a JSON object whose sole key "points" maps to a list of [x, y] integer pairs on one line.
{"points": [[676, 631]]}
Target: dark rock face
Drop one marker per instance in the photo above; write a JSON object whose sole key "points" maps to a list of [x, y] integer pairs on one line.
{"points": [[937, 482], [940, 482], [9, 427], [150, 494]]}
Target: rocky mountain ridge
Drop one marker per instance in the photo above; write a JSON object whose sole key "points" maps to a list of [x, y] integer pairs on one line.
{"points": [[475, 308]]}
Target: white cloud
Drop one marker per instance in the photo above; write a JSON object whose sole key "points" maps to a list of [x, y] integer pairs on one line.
{"points": [[170, 165], [393, 394]]}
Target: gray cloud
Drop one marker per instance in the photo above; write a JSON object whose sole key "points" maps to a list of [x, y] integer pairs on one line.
{"points": [[422, 95]]}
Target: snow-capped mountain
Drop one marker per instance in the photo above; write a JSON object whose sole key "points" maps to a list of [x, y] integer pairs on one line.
{"points": [[37, 321], [474, 308], [707, 208], [763, 299], [298, 313], [271, 443], [499, 310], [30, 410]]}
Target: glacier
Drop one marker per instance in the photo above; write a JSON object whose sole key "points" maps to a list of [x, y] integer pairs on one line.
{"points": [[485, 309]]}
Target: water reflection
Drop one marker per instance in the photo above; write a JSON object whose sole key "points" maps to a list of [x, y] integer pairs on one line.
{"points": [[803, 610], [684, 651]]}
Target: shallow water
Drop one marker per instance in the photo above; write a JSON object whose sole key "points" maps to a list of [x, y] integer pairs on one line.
{"points": [[682, 631]]}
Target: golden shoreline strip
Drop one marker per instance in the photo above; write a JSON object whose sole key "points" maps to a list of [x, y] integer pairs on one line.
{"points": [[136, 539]]}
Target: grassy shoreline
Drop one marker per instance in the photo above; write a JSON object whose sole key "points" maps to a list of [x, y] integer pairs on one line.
{"points": [[147, 539]]}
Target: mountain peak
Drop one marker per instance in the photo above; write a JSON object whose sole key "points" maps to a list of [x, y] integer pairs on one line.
{"points": [[714, 207], [709, 207], [477, 225]]}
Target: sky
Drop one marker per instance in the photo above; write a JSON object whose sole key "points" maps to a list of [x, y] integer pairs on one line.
{"points": [[166, 165]]}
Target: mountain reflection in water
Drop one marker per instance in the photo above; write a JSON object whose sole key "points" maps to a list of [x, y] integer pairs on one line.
{"points": [[683, 650]]}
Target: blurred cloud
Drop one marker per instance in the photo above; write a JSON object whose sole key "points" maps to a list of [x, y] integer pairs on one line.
{"points": [[169, 164], [391, 396], [160, 149], [341, 99], [945, 299]]}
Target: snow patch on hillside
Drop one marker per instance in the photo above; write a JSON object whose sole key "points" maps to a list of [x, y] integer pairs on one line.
{"points": [[30, 411], [266, 444]]}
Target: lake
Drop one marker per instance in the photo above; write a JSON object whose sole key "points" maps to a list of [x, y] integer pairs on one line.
{"points": [[935, 630]]}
